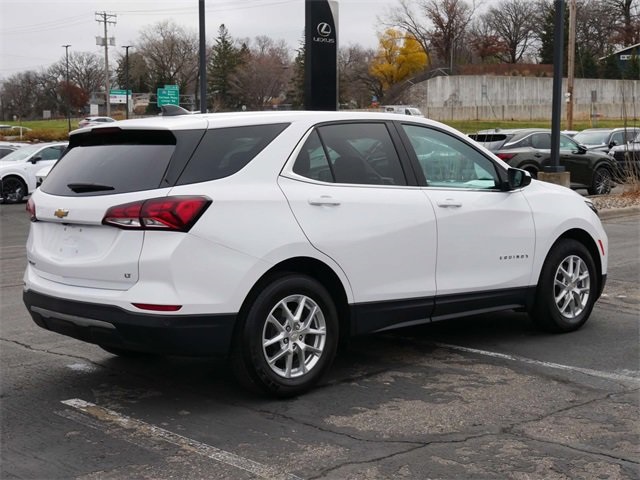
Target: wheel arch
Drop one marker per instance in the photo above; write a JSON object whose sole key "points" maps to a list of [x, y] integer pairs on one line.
{"points": [[530, 167], [14, 175], [315, 269], [587, 240]]}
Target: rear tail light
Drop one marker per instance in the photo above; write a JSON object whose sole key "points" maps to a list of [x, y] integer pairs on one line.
{"points": [[177, 214], [31, 210], [506, 156]]}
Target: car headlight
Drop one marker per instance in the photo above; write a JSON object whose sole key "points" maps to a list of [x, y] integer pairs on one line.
{"points": [[591, 206]]}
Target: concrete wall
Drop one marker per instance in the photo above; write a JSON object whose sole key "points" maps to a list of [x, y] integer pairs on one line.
{"points": [[521, 98]]}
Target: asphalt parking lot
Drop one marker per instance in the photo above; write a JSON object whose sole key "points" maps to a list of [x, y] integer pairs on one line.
{"points": [[485, 397]]}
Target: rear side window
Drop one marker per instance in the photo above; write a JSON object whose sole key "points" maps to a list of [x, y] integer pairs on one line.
{"points": [[224, 151], [492, 141], [114, 161], [359, 153]]}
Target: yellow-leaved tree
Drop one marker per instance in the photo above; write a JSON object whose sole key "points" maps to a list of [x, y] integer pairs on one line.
{"points": [[399, 56]]}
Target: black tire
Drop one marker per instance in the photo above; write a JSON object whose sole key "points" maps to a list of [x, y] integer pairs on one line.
{"points": [[602, 180], [13, 189], [294, 368], [572, 265]]}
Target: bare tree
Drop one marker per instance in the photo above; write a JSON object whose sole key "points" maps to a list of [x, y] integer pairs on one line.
{"points": [[627, 24], [86, 71], [594, 19], [438, 25], [357, 85], [263, 75], [20, 94], [171, 54], [513, 22], [485, 42]]}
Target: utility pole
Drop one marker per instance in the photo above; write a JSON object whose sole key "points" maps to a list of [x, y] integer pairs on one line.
{"points": [[126, 76], [66, 51], [106, 18], [571, 62]]}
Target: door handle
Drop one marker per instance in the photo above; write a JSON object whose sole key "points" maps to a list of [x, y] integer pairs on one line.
{"points": [[324, 200], [449, 203]]}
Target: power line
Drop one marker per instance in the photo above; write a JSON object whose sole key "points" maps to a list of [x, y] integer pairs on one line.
{"points": [[34, 29]]}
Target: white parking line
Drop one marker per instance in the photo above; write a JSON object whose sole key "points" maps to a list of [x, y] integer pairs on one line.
{"points": [[147, 435], [557, 366]]}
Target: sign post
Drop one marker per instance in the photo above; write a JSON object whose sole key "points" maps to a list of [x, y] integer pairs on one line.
{"points": [[321, 55]]}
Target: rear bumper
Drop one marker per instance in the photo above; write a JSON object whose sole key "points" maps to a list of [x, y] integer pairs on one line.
{"points": [[193, 335]]}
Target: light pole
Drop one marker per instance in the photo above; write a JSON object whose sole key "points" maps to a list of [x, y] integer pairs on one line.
{"points": [[202, 57], [126, 77], [66, 50]]}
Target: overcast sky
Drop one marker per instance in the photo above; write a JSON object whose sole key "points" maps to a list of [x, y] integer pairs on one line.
{"points": [[32, 32]]}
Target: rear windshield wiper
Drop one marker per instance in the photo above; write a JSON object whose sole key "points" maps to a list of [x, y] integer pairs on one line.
{"points": [[89, 187]]}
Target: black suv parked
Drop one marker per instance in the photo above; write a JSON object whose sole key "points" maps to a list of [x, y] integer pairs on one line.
{"points": [[530, 150]]}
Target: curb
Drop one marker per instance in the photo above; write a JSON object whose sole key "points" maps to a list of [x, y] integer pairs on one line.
{"points": [[610, 213]]}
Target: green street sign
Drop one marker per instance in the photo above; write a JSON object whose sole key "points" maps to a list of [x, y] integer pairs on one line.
{"points": [[120, 92], [171, 87], [169, 96]]}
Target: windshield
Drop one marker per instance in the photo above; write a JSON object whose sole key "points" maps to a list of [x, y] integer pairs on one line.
{"points": [[591, 138], [22, 153]]}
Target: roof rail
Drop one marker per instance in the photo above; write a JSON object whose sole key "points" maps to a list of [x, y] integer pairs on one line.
{"points": [[173, 111]]}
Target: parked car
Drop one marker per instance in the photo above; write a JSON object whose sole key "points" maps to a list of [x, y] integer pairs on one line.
{"points": [[8, 147], [94, 121], [271, 236], [403, 109], [627, 159], [603, 139], [13, 130], [18, 169], [530, 149]]}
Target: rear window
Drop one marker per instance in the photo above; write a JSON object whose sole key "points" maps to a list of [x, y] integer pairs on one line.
{"points": [[225, 151], [110, 162], [493, 141]]}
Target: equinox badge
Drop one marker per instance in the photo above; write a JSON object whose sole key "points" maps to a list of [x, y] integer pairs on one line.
{"points": [[61, 213]]}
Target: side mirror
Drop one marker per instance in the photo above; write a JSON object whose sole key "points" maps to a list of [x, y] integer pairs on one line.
{"points": [[612, 143], [35, 159], [582, 148], [518, 178]]}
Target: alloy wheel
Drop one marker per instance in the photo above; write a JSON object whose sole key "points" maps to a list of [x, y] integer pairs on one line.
{"points": [[294, 336], [572, 286]]}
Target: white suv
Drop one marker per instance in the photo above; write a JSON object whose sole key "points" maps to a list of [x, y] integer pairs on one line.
{"points": [[269, 237], [18, 169]]}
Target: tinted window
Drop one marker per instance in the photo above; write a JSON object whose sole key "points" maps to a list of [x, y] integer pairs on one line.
{"points": [[492, 141], [51, 153], [541, 141], [312, 160], [567, 143], [224, 151], [5, 151], [111, 162], [448, 162], [523, 142], [362, 153]]}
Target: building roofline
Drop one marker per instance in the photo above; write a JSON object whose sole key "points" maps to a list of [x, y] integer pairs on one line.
{"points": [[621, 50]]}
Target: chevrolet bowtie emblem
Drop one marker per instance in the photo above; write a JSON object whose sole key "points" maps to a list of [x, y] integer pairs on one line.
{"points": [[61, 213]]}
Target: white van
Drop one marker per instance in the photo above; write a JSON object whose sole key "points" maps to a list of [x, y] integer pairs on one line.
{"points": [[404, 109]]}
